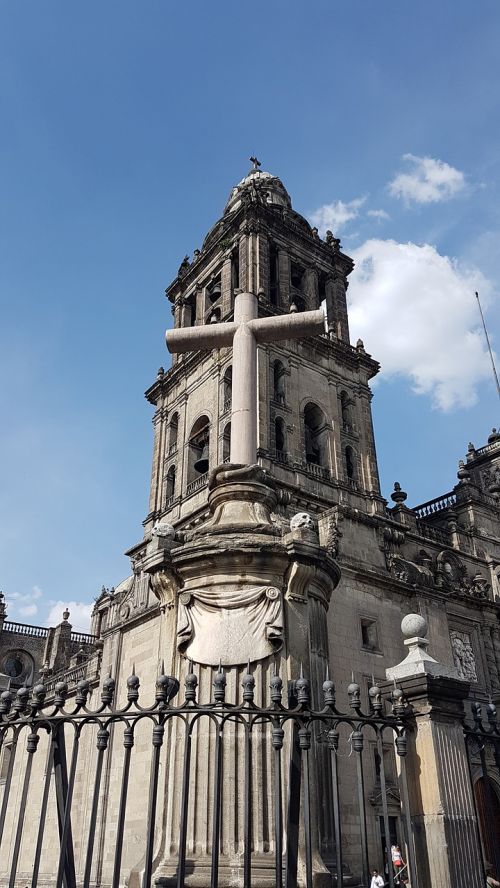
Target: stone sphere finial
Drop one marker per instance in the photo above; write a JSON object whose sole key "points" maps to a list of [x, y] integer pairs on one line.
{"points": [[66, 615], [302, 519], [414, 626]]}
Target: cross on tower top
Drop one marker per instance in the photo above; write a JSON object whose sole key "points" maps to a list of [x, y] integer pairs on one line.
{"points": [[256, 163], [245, 333]]}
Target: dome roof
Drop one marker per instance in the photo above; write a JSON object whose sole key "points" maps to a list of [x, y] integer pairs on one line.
{"points": [[261, 185]]}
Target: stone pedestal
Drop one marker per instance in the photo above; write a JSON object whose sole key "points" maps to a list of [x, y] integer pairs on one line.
{"points": [[445, 831], [237, 592]]}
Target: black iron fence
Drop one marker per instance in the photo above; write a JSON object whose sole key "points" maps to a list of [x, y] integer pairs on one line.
{"points": [[307, 752], [482, 737]]}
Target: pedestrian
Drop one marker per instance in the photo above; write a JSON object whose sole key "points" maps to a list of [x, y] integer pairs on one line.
{"points": [[491, 882], [397, 861], [377, 880]]}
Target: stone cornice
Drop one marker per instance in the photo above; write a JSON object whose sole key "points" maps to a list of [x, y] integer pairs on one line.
{"points": [[284, 226]]}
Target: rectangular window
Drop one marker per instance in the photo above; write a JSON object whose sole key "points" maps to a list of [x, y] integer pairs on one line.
{"points": [[369, 634]]}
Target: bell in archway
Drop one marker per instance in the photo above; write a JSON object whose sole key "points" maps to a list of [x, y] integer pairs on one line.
{"points": [[201, 464], [215, 292]]}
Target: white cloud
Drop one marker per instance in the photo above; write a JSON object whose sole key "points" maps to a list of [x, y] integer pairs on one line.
{"points": [[417, 314], [29, 610], [378, 214], [79, 614], [333, 216], [428, 181], [23, 602]]}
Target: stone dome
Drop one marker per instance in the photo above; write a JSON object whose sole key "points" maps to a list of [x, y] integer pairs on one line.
{"points": [[264, 186]]}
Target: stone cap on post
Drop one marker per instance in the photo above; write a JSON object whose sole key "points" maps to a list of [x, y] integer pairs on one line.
{"points": [[418, 662]]}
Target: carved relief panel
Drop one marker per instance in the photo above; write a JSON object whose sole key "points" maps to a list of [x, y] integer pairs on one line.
{"points": [[463, 655]]}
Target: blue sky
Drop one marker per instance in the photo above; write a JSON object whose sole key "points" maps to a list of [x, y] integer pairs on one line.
{"points": [[124, 126]]}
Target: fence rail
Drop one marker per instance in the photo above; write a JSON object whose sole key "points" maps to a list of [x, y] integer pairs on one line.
{"points": [[446, 501], [299, 741], [22, 629]]}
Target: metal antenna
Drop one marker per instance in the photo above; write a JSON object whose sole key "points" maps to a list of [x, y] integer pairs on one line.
{"points": [[488, 344]]}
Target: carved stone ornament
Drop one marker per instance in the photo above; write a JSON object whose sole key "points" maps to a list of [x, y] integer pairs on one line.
{"points": [[164, 588], [463, 655], [408, 572], [163, 529], [232, 626], [302, 519], [452, 577]]}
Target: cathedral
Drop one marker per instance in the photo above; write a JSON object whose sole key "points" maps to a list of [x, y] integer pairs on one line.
{"points": [[328, 568]]}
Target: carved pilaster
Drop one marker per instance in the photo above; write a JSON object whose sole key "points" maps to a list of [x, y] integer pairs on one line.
{"points": [[227, 286], [263, 265], [492, 671], [495, 637], [440, 792], [283, 278]]}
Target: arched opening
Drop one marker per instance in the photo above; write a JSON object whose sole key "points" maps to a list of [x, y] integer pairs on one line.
{"points": [[170, 485], [235, 269], [227, 389], [280, 439], [316, 435], [488, 809], [173, 432], [198, 449], [279, 382], [350, 463], [226, 443]]}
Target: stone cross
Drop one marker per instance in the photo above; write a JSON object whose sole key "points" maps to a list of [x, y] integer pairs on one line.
{"points": [[244, 334]]}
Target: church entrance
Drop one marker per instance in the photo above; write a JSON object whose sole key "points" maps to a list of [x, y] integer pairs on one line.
{"points": [[488, 810]]}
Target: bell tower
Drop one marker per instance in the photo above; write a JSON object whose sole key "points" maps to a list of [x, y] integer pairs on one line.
{"points": [[314, 432]]}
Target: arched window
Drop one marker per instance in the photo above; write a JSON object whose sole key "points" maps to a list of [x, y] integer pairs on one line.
{"points": [[316, 435], [350, 463], [227, 389], [280, 438], [279, 382], [170, 485], [173, 431], [198, 449], [226, 443]]}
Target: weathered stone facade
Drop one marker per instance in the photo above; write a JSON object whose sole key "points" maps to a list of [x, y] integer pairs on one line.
{"points": [[316, 446]]}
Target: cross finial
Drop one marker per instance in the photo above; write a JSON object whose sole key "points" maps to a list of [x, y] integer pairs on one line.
{"points": [[256, 163]]}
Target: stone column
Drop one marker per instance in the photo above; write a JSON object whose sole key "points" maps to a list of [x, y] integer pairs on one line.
{"points": [[310, 285], [489, 650], [263, 265], [340, 288], [186, 314], [155, 492], [283, 278], [221, 589], [441, 804], [330, 307], [227, 286]]}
